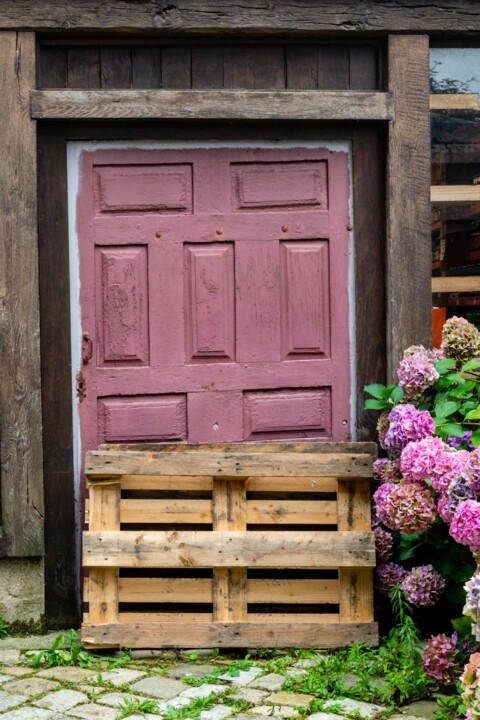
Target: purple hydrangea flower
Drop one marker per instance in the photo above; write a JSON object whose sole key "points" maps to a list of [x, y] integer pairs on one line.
{"points": [[465, 525], [458, 492], [457, 442], [407, 424], [383, 544], [387, 470], [439, 657], [416, 373], [409, 508], [422, 586], [449, 466], [379, 498], [471, 472], [418, 458], [470, 681], [389, 575], [472, 603]]}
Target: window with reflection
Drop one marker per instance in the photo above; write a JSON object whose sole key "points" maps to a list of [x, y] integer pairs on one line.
{"points": [[455, 192]]}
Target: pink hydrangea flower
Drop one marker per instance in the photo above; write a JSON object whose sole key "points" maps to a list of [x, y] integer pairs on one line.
{"points": [[418, 459], [387, 470], [387, 576], [465, 525], [471, 686], [416, 374], [443, 508], [448, 466], [423, 586], [439, 657], [379, 498], [383, 544], [471, 471], [409, 508], [407, 424]]}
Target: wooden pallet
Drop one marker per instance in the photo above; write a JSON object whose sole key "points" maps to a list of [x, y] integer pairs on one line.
{"points": [[264, 545]]}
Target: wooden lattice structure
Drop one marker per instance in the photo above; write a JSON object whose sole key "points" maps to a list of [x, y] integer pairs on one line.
{"points": [[263, 545]]}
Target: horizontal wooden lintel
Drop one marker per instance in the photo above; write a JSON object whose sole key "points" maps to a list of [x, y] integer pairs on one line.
{"points": [[210, 105], [203, 549], [467, 283], [203, 635], [455, 102]]}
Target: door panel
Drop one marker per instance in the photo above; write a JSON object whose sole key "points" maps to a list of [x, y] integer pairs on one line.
{"points": [[214, 285]]}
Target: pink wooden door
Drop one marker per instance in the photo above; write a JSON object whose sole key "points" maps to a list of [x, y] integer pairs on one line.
{"points": [[214, 291]]}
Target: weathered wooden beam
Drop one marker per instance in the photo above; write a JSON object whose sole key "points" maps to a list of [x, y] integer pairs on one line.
{"points": [[210, 105], [252, 634], [20, 403], [309, 17], [408, 251], [203, 548]]}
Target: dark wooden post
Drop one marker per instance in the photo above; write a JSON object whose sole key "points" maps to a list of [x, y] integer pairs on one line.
{"points": [[20, 405], [408, 251]]}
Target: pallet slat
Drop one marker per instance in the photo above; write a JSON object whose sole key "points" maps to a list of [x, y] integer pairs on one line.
{"points": [[310, 484], [233, 465], [230, 635], [203, 549]]}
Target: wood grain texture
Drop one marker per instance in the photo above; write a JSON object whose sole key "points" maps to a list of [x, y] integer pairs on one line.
{"points": [[61, 602], [203, 635], [320, 448], [469, 283], [210, 105], [226, 464], [103, 582], [226, 16], [21, 478], [356, 584], [455, 102], [454, 193], [176, 549], [408, 252]]}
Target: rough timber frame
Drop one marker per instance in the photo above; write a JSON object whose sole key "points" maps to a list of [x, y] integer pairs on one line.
{"points": [[407, 250]]}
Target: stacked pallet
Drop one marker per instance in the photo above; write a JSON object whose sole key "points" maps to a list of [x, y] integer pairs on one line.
{"points": [[264, 545]]}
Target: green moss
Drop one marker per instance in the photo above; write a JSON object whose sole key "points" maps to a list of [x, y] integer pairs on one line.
{"points": [[28, 627]]}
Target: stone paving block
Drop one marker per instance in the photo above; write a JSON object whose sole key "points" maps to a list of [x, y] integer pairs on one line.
{"points": [[250, 695], [360, 708], [219, 712], [62, 700], [199, 653], [273, 711], [175, 702], [420, 709], [31, 642], [29, 713], [294, 672], [30, 686], [272, 682], [149, 654], [196, 671], [243, 678], [122, 676], [159, 687], [68, 673], [9, 656], [8, 701], [5, 678], [203, 691], [291, 699], [114, 699], [327, 716], [93, 712], [244, 716], [17, 670]]}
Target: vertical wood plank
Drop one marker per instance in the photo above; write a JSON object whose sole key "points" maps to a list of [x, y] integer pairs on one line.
{"points": [[363, 67], [103, 585], [52, 67], [20, 401], [229, 584], [61, 601], [270, 67], [177, 67], [333, 67], [408, 252], [356, 584], [116, 67], [239, 67], [146, 67], [302, 67], [83, 67], [207, 67]]}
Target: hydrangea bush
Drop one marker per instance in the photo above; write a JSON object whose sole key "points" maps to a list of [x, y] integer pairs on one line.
{"points": [[427, 503]]}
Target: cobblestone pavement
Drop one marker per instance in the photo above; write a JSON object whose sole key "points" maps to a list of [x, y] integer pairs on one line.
{"points": [[163, 684]]}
